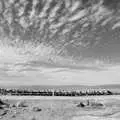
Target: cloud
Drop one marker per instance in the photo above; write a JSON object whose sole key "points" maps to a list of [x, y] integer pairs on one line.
{"points": [[36, 57], [78, 15], [40, 75], [117, 25]]}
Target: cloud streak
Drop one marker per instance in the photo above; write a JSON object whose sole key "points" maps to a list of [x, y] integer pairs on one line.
{"points": [[61, 76]]}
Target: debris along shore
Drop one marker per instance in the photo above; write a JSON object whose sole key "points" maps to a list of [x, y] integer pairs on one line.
{"points": [[10, 109], [4, 108], [59, 109]]}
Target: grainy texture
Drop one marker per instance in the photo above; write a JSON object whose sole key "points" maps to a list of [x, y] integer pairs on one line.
{"points": [[64, 22], [65, 109]]}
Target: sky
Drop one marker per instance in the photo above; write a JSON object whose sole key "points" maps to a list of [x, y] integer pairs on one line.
{"points": [[43, 69], [90, 54]]}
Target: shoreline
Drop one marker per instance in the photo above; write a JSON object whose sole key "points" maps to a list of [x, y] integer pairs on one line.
{"points": [[59, 97]]}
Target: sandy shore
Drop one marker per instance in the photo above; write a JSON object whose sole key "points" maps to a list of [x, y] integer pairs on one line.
{"points": [[59, 97], [60, 108]]}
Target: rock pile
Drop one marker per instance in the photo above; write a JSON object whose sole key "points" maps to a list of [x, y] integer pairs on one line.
{"points": [[90, 104], [36, 109]]}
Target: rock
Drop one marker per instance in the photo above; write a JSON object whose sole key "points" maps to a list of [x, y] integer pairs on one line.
{"points": [[81, 105], [12, 105], [21, 104], [36, 109], [3, 104]]}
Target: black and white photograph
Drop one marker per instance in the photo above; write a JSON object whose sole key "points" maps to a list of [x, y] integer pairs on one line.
{"points": [[59, 59]]}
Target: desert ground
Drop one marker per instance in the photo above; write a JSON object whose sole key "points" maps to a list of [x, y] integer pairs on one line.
{"points": [[60, 108]]}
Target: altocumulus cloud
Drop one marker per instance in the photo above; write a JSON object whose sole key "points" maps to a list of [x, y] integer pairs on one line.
{"points": [[25, 61]]}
